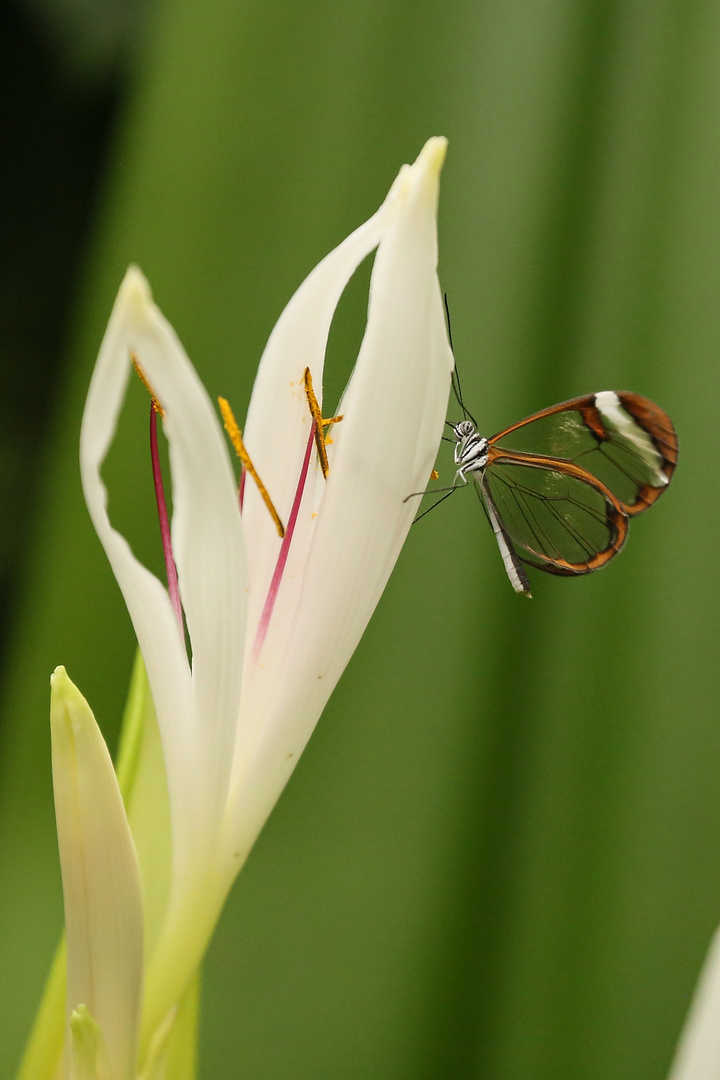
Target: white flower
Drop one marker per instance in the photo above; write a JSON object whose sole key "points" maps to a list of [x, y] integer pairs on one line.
{"points": [[698, 1055], [271, 623]]}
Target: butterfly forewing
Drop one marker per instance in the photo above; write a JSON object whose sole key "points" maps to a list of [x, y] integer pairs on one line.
{"points": [[622, 439]]}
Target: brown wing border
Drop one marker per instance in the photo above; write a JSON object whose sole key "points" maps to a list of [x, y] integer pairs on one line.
{"points": [[649, 417], [658, 425], [617, 518]]}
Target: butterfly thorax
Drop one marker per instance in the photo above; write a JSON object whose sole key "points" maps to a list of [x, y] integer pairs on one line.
{"points": [[471, 449]]}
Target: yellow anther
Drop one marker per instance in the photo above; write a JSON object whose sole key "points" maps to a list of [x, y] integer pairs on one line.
{"points": [[235, 436], [144, 380], [434, 475], [321, 440]]}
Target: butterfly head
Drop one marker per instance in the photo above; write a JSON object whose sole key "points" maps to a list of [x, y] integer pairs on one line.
{"points": [[464, 429]]}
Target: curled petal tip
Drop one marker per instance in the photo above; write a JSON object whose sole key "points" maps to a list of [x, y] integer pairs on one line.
{"points": [[65, 698], [69, 711], [424, 173], [64, 690], [135, 289], [432, 156]]}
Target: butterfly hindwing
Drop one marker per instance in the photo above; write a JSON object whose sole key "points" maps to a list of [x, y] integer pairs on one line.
{"points": [[562, 520]]}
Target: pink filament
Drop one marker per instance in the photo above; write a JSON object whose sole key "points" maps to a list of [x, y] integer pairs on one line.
{"points": [[170, 568], [284, 551], [241, 489]]}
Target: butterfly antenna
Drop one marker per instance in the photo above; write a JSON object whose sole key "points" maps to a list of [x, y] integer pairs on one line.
{"points": [[455, 376], [447, 320]]}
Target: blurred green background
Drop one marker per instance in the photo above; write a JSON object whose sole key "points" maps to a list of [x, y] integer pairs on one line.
{"points": [[499, 857]]}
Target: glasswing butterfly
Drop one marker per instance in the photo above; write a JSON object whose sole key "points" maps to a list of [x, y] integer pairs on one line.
{"points": [[560, 486]]}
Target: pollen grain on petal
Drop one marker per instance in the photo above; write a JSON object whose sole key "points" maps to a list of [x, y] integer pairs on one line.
{"points": [[327, 423], [235, 436]]}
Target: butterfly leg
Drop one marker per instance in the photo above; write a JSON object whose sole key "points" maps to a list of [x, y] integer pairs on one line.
{"points": [[448, 493]]}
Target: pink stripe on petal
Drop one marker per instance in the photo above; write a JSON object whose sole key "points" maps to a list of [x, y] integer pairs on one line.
{"points": [[284, 551], [170, 568]]}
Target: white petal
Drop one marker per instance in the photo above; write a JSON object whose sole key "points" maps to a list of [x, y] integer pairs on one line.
{"points": [[197, 714], [278, 421], [140, 770], [101, 878], [207, 534], [384, 449], [698, 1056]]}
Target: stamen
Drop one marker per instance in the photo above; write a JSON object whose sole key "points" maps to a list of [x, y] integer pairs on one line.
{"points": [[170, 567], [235, 436], [284, 551], [320, 439], [146, 383], [316, 436], [434, 475], [156, 410]]}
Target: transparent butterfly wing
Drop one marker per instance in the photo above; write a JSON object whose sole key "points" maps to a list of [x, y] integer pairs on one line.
{"points": [[557, 517], [620, 439]]}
